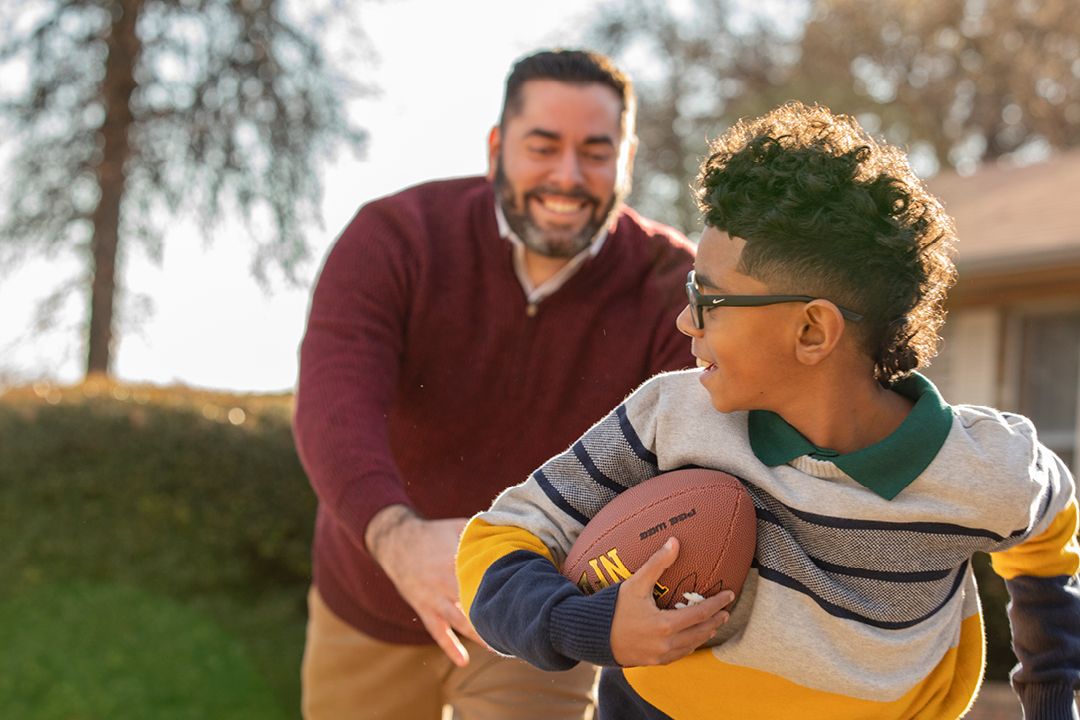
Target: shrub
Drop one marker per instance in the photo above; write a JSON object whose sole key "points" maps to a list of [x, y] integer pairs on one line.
{"points": [[185, 494]]}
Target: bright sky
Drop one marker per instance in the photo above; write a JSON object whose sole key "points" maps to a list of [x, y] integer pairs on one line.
{"points": [[441, 70]]}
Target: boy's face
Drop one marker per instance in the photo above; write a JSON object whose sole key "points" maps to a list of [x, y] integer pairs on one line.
{"points": [[747, 352]]}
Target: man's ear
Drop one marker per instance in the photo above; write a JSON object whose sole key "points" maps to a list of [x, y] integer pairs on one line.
{"points": [[626, 168], [494, 146], [820, 331]]}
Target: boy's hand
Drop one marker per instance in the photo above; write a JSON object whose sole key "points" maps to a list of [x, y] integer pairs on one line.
{"points": [[643, 634]]}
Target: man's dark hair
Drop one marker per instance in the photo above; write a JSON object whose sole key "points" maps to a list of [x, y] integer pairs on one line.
{"points": [[826, 210], [569, 66]]}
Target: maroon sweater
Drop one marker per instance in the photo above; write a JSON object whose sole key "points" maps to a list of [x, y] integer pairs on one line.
{"points": [[423, 381]]}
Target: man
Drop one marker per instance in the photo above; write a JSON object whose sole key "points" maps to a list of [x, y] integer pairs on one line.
{"points": [[462, 332]]}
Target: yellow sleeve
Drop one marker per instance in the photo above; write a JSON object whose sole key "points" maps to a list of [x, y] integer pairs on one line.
{"points": [[482, 544], [1054, 552]]}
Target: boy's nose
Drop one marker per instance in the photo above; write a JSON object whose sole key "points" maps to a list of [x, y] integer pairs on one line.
{"points": [[685, 323]]}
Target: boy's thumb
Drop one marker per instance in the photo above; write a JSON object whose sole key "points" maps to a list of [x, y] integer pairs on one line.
{"points": [[658, 562]]}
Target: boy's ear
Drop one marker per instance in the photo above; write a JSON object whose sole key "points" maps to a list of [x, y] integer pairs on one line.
{"points": [[821, 330]]}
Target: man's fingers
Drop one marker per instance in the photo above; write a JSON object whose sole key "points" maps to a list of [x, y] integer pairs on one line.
{"points": [[654, 567], [444, 636], [453, 648], [456, 617]]}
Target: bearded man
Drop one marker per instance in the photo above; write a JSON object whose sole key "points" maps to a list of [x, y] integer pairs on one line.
{"points": [[462, 332]]}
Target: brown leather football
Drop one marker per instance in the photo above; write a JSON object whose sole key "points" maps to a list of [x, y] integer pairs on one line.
{"points": [[709, 511]]}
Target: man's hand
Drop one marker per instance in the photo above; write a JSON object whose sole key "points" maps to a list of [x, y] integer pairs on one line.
{"points": [[418, 556], [643, 634]]}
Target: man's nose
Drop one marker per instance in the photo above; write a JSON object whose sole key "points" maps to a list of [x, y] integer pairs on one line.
{"points": [[567, 172]]}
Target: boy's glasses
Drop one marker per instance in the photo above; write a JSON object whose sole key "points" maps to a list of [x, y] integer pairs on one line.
{"points": [[699, 302]]}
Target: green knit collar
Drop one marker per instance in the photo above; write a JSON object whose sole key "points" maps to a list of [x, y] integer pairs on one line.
{"points": [[886, 467]]}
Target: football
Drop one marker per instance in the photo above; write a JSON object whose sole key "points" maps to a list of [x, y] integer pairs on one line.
{"points": [[709, 511]]}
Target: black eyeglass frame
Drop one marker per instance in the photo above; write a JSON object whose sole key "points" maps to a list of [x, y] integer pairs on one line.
{"points": [[698, 302]]}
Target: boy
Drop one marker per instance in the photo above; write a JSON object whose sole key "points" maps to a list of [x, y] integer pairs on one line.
{"points": [[817, 292]]}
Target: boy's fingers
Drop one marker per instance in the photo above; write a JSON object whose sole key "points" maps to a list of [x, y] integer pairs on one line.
{"points": [[706, 626], [712, 605], [692, 626], [688, 617], [698, 633]]}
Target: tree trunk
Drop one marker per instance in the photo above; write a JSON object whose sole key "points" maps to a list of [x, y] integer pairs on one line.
{"points": [[116, 90]]}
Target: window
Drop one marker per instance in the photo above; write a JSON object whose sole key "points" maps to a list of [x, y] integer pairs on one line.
{"points": [[1049, 383]]}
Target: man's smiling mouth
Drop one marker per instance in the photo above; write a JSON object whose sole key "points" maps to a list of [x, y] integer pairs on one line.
{"points": [[561, 204]]}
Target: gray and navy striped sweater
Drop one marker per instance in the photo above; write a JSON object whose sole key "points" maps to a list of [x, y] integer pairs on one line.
{"points": [[861, 602]]}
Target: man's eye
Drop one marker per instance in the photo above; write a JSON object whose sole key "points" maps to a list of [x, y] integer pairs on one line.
{"points": [[542, 150]]}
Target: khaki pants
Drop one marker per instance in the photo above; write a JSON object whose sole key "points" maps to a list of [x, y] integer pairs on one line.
{"points": [[347, 674]]}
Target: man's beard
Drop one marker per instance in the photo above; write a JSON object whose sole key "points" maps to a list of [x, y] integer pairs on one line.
{"points": [[553, 243]]}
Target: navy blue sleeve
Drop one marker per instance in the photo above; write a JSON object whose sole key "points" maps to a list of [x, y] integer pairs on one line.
{"points": [[1045, 618], [525, 607], [616, 700]]}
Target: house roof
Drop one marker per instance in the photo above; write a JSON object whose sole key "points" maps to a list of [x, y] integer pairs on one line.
{"points": [[1014, 219]]}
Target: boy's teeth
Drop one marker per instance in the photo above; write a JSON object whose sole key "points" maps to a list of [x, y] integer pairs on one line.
{"points": [[702, 364]]}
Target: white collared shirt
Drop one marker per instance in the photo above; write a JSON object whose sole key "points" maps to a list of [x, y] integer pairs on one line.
{"points": [[535, 294]]}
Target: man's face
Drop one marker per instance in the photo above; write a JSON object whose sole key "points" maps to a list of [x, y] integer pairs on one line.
{"points": [[746, 352], [560, 165]]}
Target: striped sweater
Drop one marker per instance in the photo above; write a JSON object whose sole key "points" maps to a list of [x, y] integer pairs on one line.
{"points": [[861, 602]]}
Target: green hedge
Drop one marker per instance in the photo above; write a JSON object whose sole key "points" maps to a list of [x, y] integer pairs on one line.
{"points": [[197, 498], [194, 498]]}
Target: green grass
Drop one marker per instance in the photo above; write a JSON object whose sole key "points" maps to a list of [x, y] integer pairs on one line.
{"points": [[108, 651], [183, 513]]}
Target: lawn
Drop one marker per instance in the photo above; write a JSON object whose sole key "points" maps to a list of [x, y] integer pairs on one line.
{"points": [[155, 556]]}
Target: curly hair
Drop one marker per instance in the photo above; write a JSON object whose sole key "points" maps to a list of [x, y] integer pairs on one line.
{"points": [[826, 210]]}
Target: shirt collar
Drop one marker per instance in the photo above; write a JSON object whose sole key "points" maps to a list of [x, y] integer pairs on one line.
{"points": [[886, 467]]}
